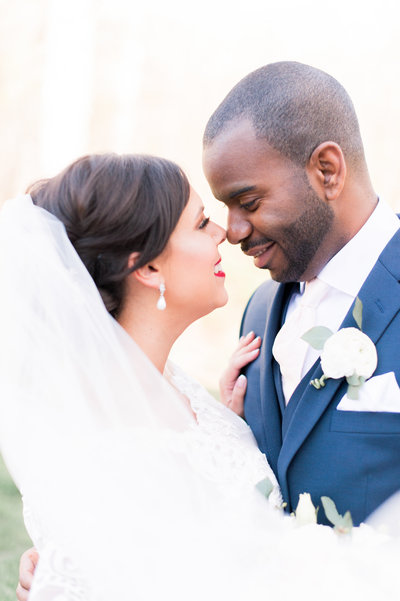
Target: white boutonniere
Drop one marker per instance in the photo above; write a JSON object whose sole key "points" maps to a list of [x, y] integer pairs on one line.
{"points": [[349, 353]]}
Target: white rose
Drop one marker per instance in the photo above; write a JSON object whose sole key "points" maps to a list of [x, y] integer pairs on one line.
{"points": [[349, 352], [305, 511]]}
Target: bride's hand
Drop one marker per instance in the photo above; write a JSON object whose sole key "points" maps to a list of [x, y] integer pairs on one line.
{"points": [[232, 384], [27, 566]]}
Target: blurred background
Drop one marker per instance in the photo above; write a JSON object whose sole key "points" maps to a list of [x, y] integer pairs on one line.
{"points": [[81, 76]]}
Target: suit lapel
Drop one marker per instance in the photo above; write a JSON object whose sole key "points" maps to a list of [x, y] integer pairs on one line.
{"points": [[278, 386], [380, 296], [271, 396]]}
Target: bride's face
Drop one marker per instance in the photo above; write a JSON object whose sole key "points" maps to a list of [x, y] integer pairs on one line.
{"points": [[192, 268]]}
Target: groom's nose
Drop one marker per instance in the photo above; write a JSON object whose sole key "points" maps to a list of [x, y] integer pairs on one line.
{"points": [[238, 227]]}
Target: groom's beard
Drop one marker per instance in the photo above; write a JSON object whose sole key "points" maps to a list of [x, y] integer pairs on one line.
{"points": [[299, 240]]}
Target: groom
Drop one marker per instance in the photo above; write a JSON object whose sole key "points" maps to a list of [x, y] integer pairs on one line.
{"points": [[283, 152]]}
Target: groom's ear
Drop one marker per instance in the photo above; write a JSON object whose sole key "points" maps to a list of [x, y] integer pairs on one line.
{"points": [[326, 170]]}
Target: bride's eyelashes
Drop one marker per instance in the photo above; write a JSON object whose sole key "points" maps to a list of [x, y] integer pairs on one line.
{"points": [[204, 222]]}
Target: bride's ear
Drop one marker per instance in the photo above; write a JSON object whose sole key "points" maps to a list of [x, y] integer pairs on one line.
{"points": [[149, 275]]}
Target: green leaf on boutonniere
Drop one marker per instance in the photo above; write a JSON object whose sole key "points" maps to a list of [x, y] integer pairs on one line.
{"points": [[352, 392], [341, 523], [316, 337], [357, 312], [354, 382], [265, 487]]}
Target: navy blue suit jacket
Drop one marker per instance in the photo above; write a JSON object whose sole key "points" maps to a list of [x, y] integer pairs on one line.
{"points": [[351, 456]]}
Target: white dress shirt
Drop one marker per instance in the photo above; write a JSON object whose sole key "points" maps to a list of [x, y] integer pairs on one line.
{"points": [[347, 271]]}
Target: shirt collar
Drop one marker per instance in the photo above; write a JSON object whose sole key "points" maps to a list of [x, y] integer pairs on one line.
{"points": [[349, 268]]}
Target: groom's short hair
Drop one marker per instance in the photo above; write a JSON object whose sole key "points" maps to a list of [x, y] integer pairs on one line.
{"points": [[294, 107]]}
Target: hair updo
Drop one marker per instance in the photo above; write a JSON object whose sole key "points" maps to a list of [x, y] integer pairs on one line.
{"points": [[113, 205]]}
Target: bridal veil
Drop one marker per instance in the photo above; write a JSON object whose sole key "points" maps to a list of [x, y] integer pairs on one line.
{"points": [[87, 423]]}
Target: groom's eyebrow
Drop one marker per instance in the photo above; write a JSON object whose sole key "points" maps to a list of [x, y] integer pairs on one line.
{"points": [[241, 191]]}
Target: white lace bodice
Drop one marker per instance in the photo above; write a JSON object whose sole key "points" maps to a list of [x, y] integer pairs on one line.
{"points": [[220, 446]]}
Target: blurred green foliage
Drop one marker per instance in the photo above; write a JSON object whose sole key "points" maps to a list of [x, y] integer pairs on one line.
{"points": [[13, 537]]}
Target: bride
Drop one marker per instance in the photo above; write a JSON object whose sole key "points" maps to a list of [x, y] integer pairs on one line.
{"points": [[137, 484]]}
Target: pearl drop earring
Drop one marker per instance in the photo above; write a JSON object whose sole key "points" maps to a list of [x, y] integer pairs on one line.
{"points": [[161, 304]]}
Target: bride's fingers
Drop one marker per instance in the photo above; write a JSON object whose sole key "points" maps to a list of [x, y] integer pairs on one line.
{"points": [[251, 344], [247, 350], [22, 593], [249, 336], [239, 361], [27, 566], [237, 400], [244, 340]]}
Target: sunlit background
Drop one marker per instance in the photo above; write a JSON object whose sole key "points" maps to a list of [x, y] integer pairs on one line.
{"points": [[81, 76]]}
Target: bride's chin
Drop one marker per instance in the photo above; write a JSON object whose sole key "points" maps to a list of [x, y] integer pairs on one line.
{"points": [[225, 300], [194, 309], [220, 301], [204, 311]]}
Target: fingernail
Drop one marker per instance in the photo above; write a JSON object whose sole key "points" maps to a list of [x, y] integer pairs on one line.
{"points": [[241, 381]]}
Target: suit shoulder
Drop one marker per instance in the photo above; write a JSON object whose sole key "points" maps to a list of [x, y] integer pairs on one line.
{"points": [[264, 294], [258, 304]]}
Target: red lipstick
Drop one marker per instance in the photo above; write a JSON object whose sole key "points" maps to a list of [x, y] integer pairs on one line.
{"points": [[218, 271]]}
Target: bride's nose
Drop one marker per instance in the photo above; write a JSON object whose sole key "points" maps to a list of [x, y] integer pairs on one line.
{"points": [[218, 233]]}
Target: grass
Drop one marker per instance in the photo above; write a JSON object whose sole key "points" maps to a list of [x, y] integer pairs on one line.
{"points": [[13, 537]]}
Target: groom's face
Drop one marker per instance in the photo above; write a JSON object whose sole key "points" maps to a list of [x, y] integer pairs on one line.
{"points": [[273, 212]]}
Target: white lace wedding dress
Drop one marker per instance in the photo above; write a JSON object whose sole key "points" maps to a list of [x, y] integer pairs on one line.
{"points": [[220, 446], [127, 496]]}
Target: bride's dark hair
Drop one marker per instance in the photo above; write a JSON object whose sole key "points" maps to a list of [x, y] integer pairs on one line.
{"points": [[113, 205]]}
